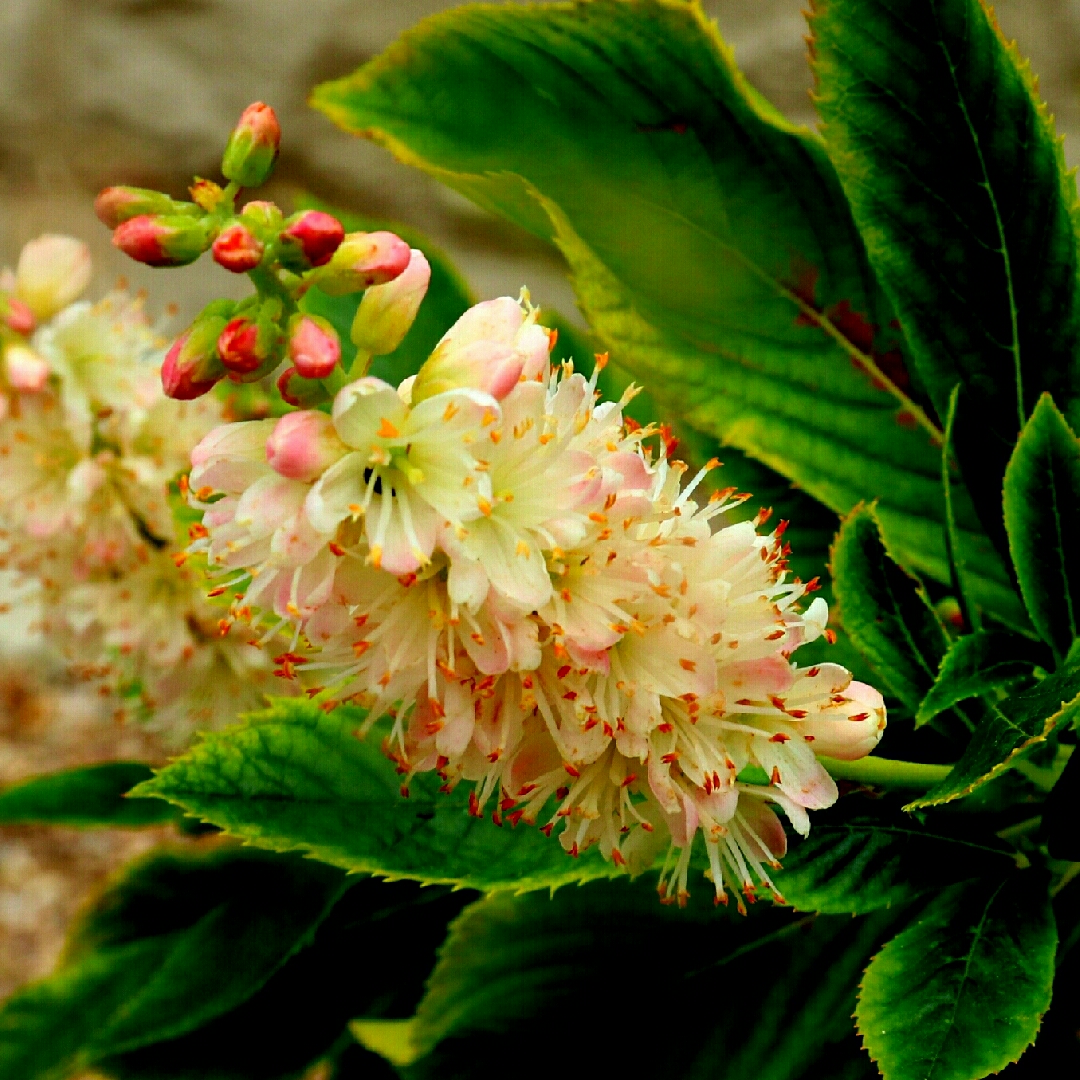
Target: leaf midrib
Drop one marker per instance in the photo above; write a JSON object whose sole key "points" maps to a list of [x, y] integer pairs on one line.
{"points": [[963, 981], [999, 224]]}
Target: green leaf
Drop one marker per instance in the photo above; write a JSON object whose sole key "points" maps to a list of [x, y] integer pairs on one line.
{"points": [[856, 861], [1019, 722], [92, 795], [959, 188], [1042, 518], [573, 963], [369, 957], [885, 611], [447, 298], [978, 664], [959, 994], [711, 246], [295, 778], [178, 941]]}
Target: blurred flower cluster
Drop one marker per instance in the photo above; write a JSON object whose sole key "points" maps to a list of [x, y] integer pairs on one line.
{"points": [[89, 446]]}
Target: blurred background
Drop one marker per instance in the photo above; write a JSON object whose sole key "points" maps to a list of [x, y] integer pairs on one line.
{"points": [[97, 92]]}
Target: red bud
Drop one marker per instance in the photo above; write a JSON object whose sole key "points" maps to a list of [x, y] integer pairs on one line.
{"points": [[191, 367], [301, 392], [314, 347], [237, 249], [363, 260], [161, 241], [238, 346], [311, 238], [253, 146], [115, 205]]}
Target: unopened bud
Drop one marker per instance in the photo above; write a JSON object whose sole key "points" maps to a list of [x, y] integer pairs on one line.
{"points": [[115, 205], [24, 368], [52, 272], [314, 346], [362, 260], [16, 315], [253, 146], [304, 445], [851, 731], [263, 216], [250, 345], [300, 392], [237, 249], [387, 312], [310, 239], [192, 366], [489, 348], [162, 241], [206, 194]]}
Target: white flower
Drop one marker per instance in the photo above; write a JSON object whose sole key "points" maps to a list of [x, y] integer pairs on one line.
{"points": [[544, 608]]}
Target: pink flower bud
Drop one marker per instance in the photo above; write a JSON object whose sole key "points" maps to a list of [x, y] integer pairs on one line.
{"points": [[363, 260], [115, 205], [300, 392], [857, 728], [238, 346], [237, 249], [192, 366], [304, 445], [25, 369], [162, 241], [16, 315], [253, 146], [489, 348], [387, 312], [313, 347], [311, 238], [52, 272]]}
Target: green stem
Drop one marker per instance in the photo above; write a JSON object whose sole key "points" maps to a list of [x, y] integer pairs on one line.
{"points": [[886, 772], [269, 284]]}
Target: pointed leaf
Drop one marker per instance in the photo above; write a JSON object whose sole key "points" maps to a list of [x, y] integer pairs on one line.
{"points": [[179, 940], [958, 184], [369, 957], [295, 778], [1042, 517], [885, 611], [960, 993], [91, 795], [512, 966], [977, 664], [856, 861], [711, 246], [1019, 722]]}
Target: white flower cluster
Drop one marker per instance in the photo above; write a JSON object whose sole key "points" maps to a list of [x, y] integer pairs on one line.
{"points": [[88, 447], [497, 560]]}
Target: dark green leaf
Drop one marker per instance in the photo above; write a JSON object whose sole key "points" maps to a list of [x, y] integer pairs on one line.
{"points": [[295, 778], [711, 246], [575, 963], [978, 664], [885, 611], [1042, 517], [959, 187], [447, 298], [857, 861], [1019, 722], [369, 957], [179, 940], [92, 795], [959, 994]]}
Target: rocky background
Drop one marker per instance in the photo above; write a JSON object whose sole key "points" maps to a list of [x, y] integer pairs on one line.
{"points": [[95, 92]]}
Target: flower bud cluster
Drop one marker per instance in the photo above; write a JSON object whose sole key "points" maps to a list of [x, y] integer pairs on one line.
{"points": [[506, 566], [89, 446], [267, 333]]}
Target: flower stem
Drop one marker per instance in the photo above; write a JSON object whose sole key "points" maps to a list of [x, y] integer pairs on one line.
{"points": [[886, 772]]}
